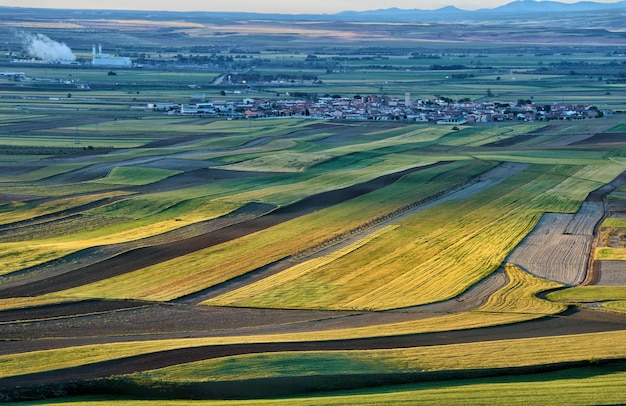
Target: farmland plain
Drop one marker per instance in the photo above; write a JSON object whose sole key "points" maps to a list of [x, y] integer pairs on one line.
{"points": [[153, 258]]}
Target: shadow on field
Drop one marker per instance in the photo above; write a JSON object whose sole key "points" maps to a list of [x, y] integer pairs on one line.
{"points": [[311, 385]]}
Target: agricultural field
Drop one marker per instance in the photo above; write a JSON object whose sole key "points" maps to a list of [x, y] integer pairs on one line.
{"points": [[153, 258]]}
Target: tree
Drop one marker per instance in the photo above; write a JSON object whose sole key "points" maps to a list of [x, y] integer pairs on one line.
{"points": [[489, 93], [598, 112]]}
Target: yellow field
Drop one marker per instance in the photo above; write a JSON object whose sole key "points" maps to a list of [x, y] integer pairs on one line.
{"points": [[610, 254], [513, 303], [429, 258]]}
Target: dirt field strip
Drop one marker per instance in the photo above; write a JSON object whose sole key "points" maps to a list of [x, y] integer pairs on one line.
{"points": [[612, 273]]}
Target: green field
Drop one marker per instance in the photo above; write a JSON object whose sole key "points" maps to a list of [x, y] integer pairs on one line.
{"points": [[266, 253], [423, 258]]}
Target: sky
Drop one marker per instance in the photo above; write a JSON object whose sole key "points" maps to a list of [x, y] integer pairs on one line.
{"points": [[263, 6]]}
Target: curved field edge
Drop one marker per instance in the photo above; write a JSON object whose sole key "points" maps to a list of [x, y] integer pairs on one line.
{"points": [[434, 367], [589, 293], [515, 302], [616, 306], [453, 357], [590, 385]]}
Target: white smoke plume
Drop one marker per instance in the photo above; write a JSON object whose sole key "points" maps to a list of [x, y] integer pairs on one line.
{"points": [[42, 47]]}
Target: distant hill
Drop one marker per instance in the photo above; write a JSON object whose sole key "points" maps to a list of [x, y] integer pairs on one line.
{"points": [[516, 10], [533, 6]]}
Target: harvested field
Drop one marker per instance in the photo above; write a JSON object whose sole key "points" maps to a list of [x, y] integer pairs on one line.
{"points": [[559, 247], [612, 273], [585, 219], [549, 252]]}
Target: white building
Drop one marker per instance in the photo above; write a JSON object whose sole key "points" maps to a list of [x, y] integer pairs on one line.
{"points": [[100, 59]]}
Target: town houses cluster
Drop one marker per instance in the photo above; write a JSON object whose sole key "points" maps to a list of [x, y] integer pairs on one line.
{"points": [[440, 110]]}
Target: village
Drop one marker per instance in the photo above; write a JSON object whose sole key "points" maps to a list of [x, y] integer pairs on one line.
{"points": [[440, 110]]}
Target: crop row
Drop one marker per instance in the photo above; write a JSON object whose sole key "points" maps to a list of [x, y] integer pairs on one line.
{"points": [[431, 257], [378, 220], [217, 264]]}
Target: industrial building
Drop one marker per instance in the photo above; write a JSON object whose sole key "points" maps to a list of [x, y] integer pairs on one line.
{"points": [[100, 59]]}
